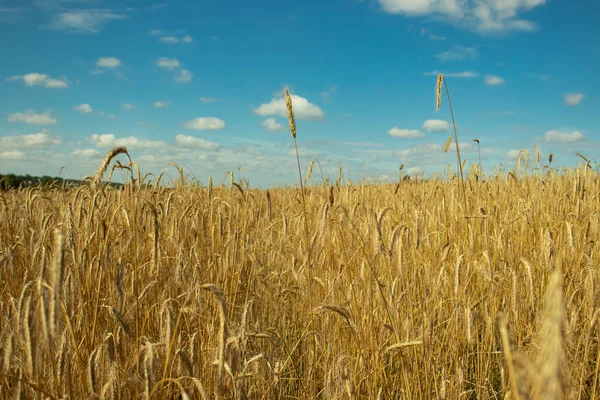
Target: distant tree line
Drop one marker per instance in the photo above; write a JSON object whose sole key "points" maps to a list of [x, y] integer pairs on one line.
{"points": [[12, 181]]}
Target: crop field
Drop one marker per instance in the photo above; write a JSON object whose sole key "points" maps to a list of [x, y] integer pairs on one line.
{"points": [[447, 287], [348, 291]]}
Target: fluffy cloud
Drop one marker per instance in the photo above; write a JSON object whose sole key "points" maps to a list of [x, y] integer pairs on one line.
{"points": [[35, 79], [37, 140], [169, 39], [464, 74], [168, 63], [11, 155], [184, 76], [174, 39], [85, 153], [303, 109], [83, 108], [485, 16], [563, 137], [205, 123], [493, 80], [573, 99], [172, 64], [83, 21], [458, 53], [513, 154], [436, 125], [207, 99], [405, 133], [414, 171], [110, 140], [127, 106], [272, 125], [30, 117], [191, 142], [161, 104], [108, 62]]}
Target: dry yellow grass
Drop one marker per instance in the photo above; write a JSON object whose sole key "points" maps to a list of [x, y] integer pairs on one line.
{"points": [[203, 292]]}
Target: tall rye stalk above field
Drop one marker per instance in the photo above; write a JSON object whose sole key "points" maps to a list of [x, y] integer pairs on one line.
{"points": [[292, 121], [366, 291], [441, 80]]}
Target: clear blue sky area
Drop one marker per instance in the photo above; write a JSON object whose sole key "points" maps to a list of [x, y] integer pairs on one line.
{"points": [[199, 83]]}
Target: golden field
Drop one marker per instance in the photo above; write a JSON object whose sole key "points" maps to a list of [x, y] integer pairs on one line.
{"points": [[382, 291]]}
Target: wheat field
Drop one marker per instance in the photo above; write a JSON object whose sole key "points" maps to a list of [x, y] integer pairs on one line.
{"points": [[450, 287], [382, 291]]}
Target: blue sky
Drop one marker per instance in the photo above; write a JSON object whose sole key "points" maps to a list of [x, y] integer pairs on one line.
{"points": [[199, 84]]}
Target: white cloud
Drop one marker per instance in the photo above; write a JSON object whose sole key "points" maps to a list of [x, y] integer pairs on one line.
{"points": [[169, 39], [573, 99], [195, 143], [405, 133], [83, 108], [458, 52], [493, 80], [161, 104], [563, 137], [513, 154], [85, 153], [174, 39], [326, 95], [110, 140], [11, 155], [272, 125], [464, 74], [35, 79], [205, 123], [303, 109], [38, 140], [127, 106], [155, 32], [430, 35], [184, 76], [436, 125], [414, 171], [207, 99], [30, 117], [431, 149], [83, 21], [168, 63], [485, 16], [108, 62], [420, 149]]}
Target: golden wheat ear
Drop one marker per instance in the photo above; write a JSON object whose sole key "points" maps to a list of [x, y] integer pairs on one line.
{"points": [[438, 91], [106, 162], [551, 358], [290, 111]]}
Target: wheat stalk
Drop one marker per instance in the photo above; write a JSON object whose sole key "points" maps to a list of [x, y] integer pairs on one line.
{"points": [[106, 162], [550, 381], [441, 80]]}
